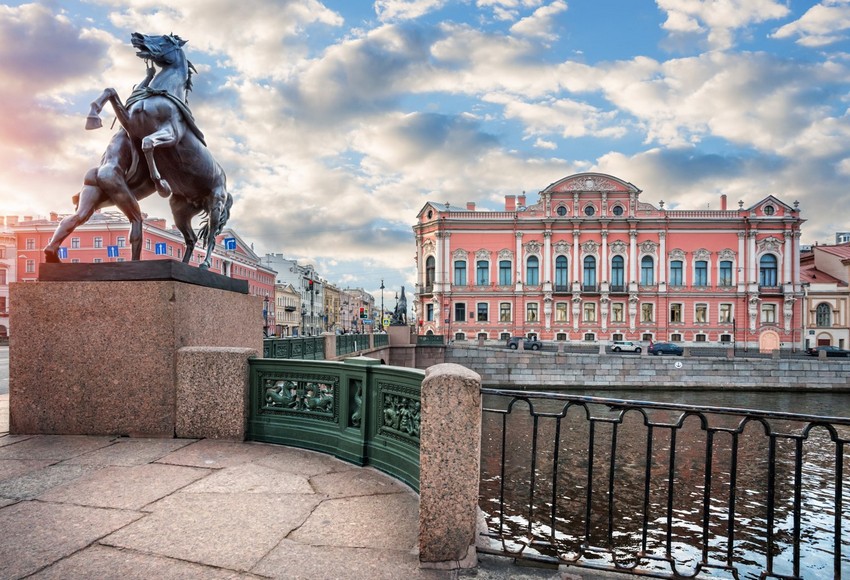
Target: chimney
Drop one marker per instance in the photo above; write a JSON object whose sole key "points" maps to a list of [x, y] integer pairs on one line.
{"points": [[510, 203], [521, 200], [723, 202], [54, 217], [156, 222], [470, 205]]}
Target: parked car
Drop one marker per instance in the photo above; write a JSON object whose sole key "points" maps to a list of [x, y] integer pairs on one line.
{"points": [[625, 346], [661, 348], [527, 343], [830, 351]]}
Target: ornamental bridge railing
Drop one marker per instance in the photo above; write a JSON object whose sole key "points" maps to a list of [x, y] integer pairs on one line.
{"points": [[664, 490], [307, 347], [357, 410]]}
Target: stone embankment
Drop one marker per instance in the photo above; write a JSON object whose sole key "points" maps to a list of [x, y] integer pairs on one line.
{"points": [[500, 367]]}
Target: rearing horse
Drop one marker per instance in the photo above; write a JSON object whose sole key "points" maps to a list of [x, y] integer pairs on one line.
{"points": [[159, 122]]}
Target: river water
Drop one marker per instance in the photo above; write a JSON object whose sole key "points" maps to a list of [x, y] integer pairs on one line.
{"points": [[589, 506]]}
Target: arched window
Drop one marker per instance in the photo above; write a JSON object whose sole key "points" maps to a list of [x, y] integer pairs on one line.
{"points": [[767, 270], [618, 274], [504, 273], [532, 271], [701, 273], [430, 268], [562, 279], [824, 314], [589, 273], [482, 272], [460, 273], [647, 271], [725, 273]]}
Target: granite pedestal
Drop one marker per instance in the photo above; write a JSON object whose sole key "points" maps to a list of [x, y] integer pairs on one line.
{"points": [[97, 355]]}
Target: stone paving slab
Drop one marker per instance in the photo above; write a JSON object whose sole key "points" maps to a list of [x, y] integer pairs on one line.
{"points": [[296, 561], [45, 533], [128, 452], [35, 483], [363, 481], [11, 468], [106, 562], [303, 462], [363, 522], [54, 447], [4, 413], [252, 478], [130, 488], [214, 454], [6, 439], [231, 531]]}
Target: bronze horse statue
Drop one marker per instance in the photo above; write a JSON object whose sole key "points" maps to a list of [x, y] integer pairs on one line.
{"points": [[174, 158]]}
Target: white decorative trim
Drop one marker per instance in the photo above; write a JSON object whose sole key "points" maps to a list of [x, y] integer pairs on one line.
{"points": [[460, 254], [532, 247], [770, 244], [561, 247], [677, 254], [702, 254], [506, 254], [619, 247], [589, 183], [482, 254], [648, 247], [589, 247], [726, 254]]}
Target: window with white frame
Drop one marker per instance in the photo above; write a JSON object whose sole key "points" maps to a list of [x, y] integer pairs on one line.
{"points": [[725, 313], [460, 336], [483, 308], [562, 336], [505, 336], [98, 242], [700, 338], [505, 312], [460, 312], [767, 270], [768, 313], [618, 273], [725, 338], [823, 315], [589, 337], [30, 244], [147, 243], [701, 273], [725, 273], [75, 243], [676, 337], [532, 271], [429, 313], [701, 313], [647, 271], [482, 336], [29, 267], [460, 273], [617, 311], [482, 272], [646, 336], [676, 278], [504, 273], [589, 310], [647, 312], [121, 242], [561, 310], [617, 336], [676, 313], [531, 314], [561, 274]]}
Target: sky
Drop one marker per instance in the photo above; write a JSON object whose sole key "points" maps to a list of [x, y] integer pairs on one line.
{"points": [[337, 120]]}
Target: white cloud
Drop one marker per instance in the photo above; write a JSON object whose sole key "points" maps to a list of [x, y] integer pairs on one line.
{"points": [[822, 24], [388, 10], [541, 23], [718, 20]]}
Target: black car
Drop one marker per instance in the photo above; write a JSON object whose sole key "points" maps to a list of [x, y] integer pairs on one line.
{"points": [[527, 343], [661, 348], [830, 351]]}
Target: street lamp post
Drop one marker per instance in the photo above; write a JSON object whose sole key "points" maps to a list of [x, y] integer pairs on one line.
{"points": [[266, 316], [382, 305]]}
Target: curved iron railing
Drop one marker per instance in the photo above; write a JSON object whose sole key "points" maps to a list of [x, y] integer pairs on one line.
{"points": [[664, 490], [308, 347]]}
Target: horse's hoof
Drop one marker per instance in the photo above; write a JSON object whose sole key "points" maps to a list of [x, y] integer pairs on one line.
{"points": [[93, 122], [51, 257]]}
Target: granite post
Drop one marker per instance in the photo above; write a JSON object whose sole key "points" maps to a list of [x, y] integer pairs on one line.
{"points": [[450, 457]]}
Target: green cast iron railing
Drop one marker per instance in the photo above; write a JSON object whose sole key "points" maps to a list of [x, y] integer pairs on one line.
{"points": [[308, 347], [357, 410], [430, 340], [348, 343], [381, 340]]}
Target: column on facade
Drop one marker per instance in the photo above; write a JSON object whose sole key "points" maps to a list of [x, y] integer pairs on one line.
{"points": [[739, 263], [606, 269], [787, 252], [662, 258], [576, 265], [632, 256], [518, 258], [797, 235], [547, 257], [447, 260], [438, 263], [751, 257]]}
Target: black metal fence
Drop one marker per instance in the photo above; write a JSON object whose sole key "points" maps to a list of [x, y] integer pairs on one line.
{"points": [[664, 490]]}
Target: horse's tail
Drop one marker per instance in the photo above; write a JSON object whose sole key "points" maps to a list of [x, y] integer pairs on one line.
{"points": [[224, 215]]}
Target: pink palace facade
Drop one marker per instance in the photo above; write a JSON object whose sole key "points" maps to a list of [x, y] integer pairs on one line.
{"points": [[590, 262]]}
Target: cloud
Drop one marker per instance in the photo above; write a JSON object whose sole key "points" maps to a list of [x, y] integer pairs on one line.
{"points": [[717, 20], [388, 10], [541, 22], [821, 25]]}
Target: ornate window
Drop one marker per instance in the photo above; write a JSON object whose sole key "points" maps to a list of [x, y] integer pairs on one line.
{"points": [[561, 310], [617, 310], [589, 312], [504, 272], [460, 312], [701, 273], [647, 312], [618, 274], [589, 210], [725, 313], [701, 313], [676, 278], [823, 314], [561, 274], [768, 313], [531, 314], [430, 268], [561, 210], [725, 273], [482, 272], [767, 270], [482, 312], [532, 271], [617, 210], [647, 271], [429, 312], [675, 313], [460, 273], [505, 312], [589, 272]]}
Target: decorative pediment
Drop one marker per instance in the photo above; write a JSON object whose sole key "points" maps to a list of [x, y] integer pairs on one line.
{"points": [[589, 247], [648, 247], [597, 182], [506, 255], [460, 254], [428, 246], [532, 247], [770, 244], [619, 247], [726, 254], [702, 254], [482, 254], [561, 247], [677, 254]]}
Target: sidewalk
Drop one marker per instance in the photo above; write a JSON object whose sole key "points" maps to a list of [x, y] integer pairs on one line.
{"points": [[106, 507]]}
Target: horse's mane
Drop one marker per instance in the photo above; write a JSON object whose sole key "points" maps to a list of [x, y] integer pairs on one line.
{"points": [[192, 70]]}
